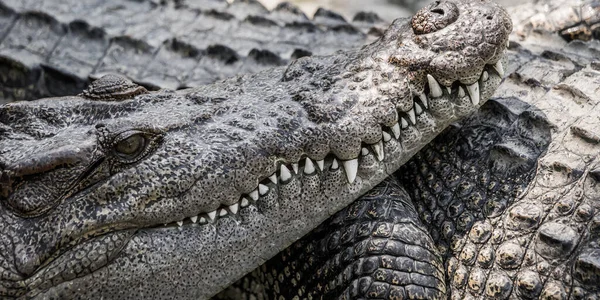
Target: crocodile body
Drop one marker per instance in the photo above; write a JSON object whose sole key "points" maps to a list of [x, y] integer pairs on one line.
{"points": [[88, 181], [572, 20], [504, 206], [158, 44]]}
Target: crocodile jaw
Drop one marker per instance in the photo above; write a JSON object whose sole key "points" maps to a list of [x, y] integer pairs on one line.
{"points": [[364, 139]]}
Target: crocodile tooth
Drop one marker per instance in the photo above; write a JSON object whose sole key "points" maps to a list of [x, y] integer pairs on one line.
{"points": [[386, 136], [434, 87], [254, 194], [461, 91], [404, 123], [396, 130], [234, 208], [365, 151], [507, 43], [309, 167], [473, 90], [424, 99], [245, 202], [202, 220], [180, 223], [273, 178], [418, 109], [212, 215], [378, 148], [194, 219], [295, 168], [449, 89], [351, 167], [222, 212], [411, 116], [285, 173], [263, 189], [321, 164], [499, 68], [485, 76], [334, 164]]}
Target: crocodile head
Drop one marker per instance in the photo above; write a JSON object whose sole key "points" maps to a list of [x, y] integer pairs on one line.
{"points": [[166, 194]]}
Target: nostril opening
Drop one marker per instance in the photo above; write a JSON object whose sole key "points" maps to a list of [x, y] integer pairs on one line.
{"points": [[438, 11], [489, 17]]}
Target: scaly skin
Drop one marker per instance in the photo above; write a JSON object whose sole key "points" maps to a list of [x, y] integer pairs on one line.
{"points": [[87, 183], [158, 44], [511, 199], [571, 19]]}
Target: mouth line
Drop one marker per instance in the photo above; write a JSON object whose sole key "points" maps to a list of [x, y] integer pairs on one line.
{"points": [[307, 166]]}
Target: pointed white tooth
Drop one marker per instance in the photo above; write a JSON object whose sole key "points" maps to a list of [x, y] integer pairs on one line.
{"points": [[309, 167], [434, 87], [499, 68], [234, 208], [222, 212], [321, 164], [386, 136], [396, 130], [273, 178], [424, 100], [461, 92], [285, 174], [180, 223], [404, 123], [485, 76], [263, 189], [449, 89], [212, 215], [473, 90], [351, 167], [378, 148], [245, 202], [411, 116], [507, 43], [202, 220], [254, 194], [418, 109], [194, 219], [365, 151], [295, 168], [334, 164]]}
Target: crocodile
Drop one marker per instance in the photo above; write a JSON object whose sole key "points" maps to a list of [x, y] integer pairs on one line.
{"points": [[505, 205], [159, 44], [88, 181]]}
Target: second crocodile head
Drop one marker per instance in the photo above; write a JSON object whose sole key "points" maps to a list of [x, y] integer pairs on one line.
{"points": [[181, 193]]}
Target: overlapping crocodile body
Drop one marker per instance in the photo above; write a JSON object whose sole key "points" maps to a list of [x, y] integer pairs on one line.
{"points": [[376, 248], [573, 20], [53, 48], [511, 197], [120, 192]]}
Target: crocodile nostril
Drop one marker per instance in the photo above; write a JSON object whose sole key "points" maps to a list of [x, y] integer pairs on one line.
{"points": [[489, 17], [438, 11], [434, 17]]}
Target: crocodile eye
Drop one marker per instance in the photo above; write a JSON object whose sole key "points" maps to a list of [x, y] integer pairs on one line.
{"points": [[131, 146]]}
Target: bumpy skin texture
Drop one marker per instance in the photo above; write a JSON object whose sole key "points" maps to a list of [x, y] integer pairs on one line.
{"points": [[376, 248], [511, 198], [158, 44], [573, 20], [87, 182]]}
